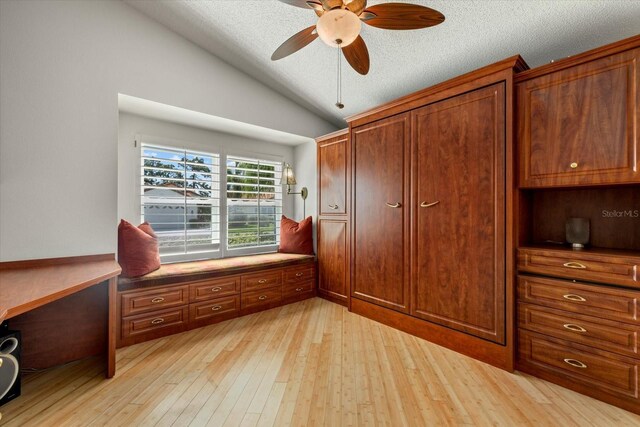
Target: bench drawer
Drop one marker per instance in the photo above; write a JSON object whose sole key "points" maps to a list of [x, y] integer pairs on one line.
{"points": [[299, 275], [222, 308], [294, 289], [156, 324], [136, 302], [214, 288], [611, 373], [263, 298], [589, 266], [606, 335], [593, 300], [260, 281]]}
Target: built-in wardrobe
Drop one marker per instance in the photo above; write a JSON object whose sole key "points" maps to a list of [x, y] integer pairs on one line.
{"points": [[458, 202]]}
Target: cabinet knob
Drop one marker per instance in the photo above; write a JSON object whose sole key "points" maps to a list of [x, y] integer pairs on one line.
{"points": [[298, 289], [573, 264], [262, 297], [262, 281], [299, 274], [394, 205], [216, 307], [216, 289], [574, 297], [157, 300], [334, 207], [157, 321], [575, 363], [428, 205], [573, 327], [574, 165]]}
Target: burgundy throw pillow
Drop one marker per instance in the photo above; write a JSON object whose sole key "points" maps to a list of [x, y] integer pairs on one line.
{"points": [[296, 238], [138, 252]]}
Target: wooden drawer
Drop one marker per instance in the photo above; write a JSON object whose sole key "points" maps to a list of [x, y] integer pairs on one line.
{"points": [[299, 274], [262, 298], [155, 324], [589, 266], [602, 371], [259, 281], [214, 288], [593, 300], [217, 308], [136, 302], [616, 337], [293, 289]]}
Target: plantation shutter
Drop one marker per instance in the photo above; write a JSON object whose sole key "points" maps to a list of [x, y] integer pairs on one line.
{"points": [[181, 199], [254, 202]]}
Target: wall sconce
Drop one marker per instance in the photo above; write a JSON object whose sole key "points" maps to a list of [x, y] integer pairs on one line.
{"points": [[289, 179]]}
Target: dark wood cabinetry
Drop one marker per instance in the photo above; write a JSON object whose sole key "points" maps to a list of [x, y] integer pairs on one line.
{"points": [[334, 181], [459, 221], [578, 125], [381, 167]]}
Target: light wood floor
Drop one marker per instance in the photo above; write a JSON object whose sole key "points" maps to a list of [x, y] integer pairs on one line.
{"points": [[310, 363]]}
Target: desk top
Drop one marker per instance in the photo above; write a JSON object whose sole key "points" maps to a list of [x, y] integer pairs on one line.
{"points": [[25, 285]]}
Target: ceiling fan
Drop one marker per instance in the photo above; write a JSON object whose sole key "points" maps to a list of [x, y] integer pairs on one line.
{"points": [[339, 24]]}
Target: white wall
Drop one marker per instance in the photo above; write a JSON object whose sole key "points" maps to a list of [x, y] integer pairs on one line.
{"points": [[190, 137], [62, 64]]}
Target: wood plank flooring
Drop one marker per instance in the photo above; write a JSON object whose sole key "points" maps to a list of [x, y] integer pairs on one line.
{"points": [[310, 363]]}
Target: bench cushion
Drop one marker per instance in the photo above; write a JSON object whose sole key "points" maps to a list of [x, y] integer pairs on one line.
{"points": [[194, 270]]}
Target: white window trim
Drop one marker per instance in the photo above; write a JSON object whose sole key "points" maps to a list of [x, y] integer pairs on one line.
{"points": [[173, 144]]}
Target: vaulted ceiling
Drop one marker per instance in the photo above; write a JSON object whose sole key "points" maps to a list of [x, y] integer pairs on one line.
{"points": [[245, 33]]}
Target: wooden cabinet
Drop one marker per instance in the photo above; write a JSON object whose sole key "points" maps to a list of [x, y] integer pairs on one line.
{"points": [[459, 221], [333, 158], [156, 311], [381, 166], [333, 258], [578, 125]]}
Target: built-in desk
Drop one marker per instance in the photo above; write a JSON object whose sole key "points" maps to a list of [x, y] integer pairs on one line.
{"points": [[65, 308]]}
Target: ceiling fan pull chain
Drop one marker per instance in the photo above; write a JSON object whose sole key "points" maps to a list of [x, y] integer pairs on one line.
{"points": [[339, 103]]}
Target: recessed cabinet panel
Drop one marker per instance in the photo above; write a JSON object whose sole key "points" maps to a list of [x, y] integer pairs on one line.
{"points": [[381, 212], [333, 258], [459, 183], [578, 126], [332, 165]]}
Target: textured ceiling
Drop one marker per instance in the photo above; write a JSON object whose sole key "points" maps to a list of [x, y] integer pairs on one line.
{"points": [[475, 33]]}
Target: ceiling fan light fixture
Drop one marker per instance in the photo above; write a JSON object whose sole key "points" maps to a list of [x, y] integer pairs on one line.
{"points": [[338, 27]]}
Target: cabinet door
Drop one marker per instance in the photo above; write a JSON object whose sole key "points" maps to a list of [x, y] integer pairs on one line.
{"points": [[380, 218], [459, 220], [578, 126], [333, 258], [332, 175]]}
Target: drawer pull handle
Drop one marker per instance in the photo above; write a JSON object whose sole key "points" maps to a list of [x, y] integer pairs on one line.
{"points": [[394, 205], [574, 165], [574, 297], [334, 207], [262, 281], [299, 274], [157, 321], [575, 363], [216, 289], [298, 289], [428, 205], [216, 307], [157, 300], [262, 297], [574, 264], [574, 327]]}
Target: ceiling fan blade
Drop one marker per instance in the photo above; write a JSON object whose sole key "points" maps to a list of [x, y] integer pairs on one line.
{"points": [[403, 16], [357, 55], [295, 43], [356, 6], [297, 3], [317, 7], [331, 4]]}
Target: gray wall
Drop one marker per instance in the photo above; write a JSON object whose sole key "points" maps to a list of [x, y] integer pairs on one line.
{"points": [[62, 65]]}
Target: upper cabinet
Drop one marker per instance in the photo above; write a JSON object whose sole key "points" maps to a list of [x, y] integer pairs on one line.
{"points": [[333, 157], [578, 124]]}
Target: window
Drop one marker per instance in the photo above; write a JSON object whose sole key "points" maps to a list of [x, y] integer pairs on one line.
{"points": [[254, 203], [181, 199]]}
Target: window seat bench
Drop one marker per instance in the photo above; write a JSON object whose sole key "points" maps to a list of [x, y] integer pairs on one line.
{"points": [[187, 295]]}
